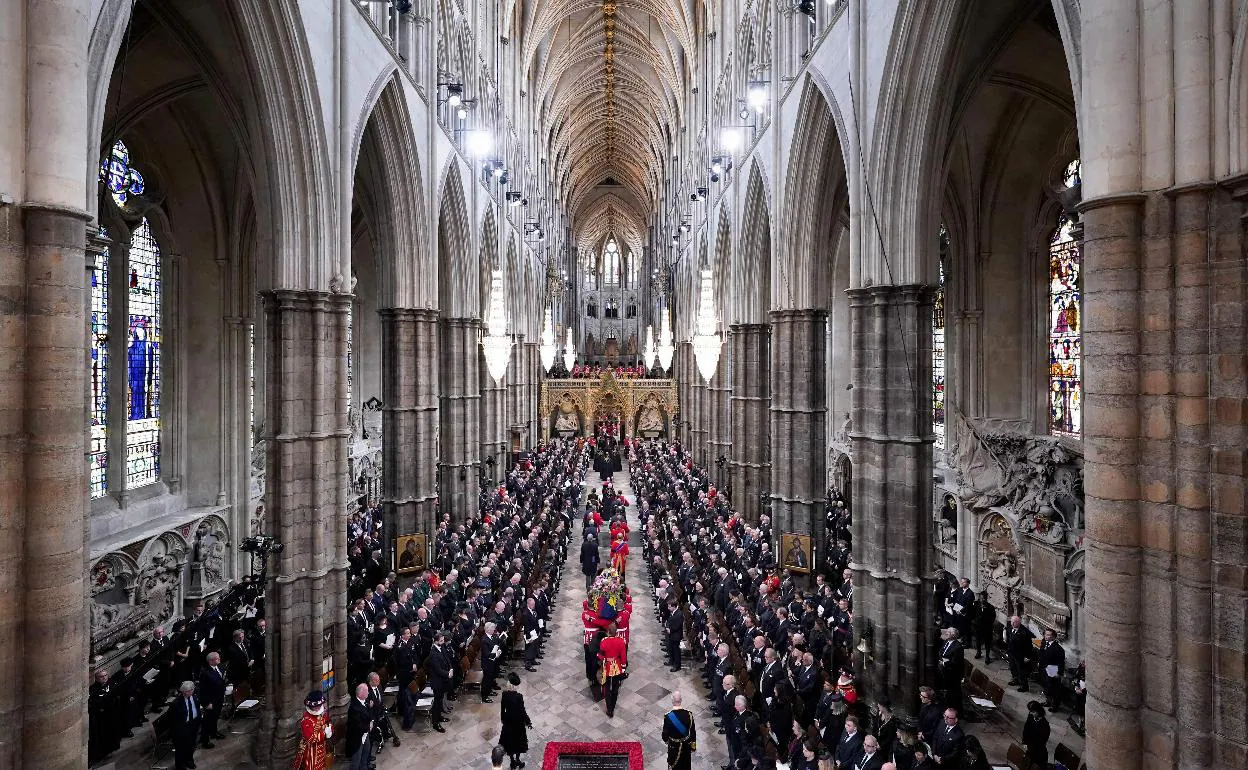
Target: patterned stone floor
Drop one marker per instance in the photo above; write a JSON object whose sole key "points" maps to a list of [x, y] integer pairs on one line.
{"points": [[558, 698]]}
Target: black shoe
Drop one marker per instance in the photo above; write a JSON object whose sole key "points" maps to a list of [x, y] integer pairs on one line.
{"points": [[487, 700], [207, 745], [977, 656], [720, 731], [396, 742], [128, 734], [439, 728], [674, 670], [1012, 683], [529, 668], [219, 736], [1023, 689]]}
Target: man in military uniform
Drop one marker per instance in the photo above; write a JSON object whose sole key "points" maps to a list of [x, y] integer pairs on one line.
{"points": [[680, 734]]}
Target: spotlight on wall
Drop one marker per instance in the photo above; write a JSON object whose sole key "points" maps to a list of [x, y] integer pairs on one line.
{"points": [[756, 97], [514, 197], [479, 142], [720, 164], [503, 176], [807, 7], [454, 94], [730, 138]]}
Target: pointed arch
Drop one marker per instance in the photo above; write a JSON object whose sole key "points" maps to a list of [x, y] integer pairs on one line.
{"points": [[388, 167], [753, 269], [816, 163], [487, 261], [456, 284]]}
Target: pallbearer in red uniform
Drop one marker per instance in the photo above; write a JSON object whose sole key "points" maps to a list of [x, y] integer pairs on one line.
{"points": [[613, 654], [315, 731]]}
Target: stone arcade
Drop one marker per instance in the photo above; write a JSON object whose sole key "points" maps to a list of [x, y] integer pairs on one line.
{"points": [[976, 266]]}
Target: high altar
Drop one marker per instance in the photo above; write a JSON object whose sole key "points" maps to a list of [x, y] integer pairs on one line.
{"points": [[637, 407]]}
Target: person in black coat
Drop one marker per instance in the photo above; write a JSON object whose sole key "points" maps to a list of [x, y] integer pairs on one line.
{"points": [[103, 733], [952, 665], [212, 695], [440, 668], [359, 729], [675, 628], [931, 713], [183, 719], [1036, 734], [514, 737], [947, 743], [1020, 650], [589, 558], [849, 744], [1052, 665], [983, 624]]}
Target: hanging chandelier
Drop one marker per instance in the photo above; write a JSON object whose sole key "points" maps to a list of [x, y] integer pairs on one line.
{"points": [[569, 352], [652, 353], [496, 344], [706, 343], [666, 349], [548, 348]]}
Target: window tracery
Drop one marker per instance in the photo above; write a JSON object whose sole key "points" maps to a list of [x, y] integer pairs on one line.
{"points": [[1065, 323]]}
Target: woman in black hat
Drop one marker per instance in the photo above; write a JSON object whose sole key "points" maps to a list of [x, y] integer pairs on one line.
{"points": [[515, 735], [1036, 734]]}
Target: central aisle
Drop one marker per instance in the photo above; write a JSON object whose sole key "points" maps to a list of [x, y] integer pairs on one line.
{"points": [[558, 697]]}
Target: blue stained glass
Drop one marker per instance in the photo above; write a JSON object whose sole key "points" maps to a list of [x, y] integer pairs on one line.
{"points": [[119, 177], [143, 360], [98, 455]]}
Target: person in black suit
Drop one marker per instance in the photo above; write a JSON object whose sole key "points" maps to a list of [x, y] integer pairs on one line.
{"points": [[212, 696], [359, 730], [514, 736], [952, 665], [948, 741], [256, 645], [103, 733], [440, 668], [849, 745], [184, 717], [675, 628], [1020, 650], [238, 658], [871, 758], [532, 634], [381, 716], [961, 605], [589, 558], [1052, 664], [984, 623]]}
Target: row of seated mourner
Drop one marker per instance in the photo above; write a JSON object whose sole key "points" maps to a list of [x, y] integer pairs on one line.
{"points": [[776, 656]]}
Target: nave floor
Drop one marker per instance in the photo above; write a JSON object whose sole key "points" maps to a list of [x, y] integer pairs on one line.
{"points": [[558, 697]]}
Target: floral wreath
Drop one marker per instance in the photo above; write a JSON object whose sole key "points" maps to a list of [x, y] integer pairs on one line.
{"points": [[606, 595]]}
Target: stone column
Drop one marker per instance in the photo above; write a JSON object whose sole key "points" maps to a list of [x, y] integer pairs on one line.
{"points": [[409, 419], [718, 426], [494, 418], [798, 414], [532, 394], [459, 392], [891, 443], [749, 404], [698, 431], [306, 503], [44, 627]]}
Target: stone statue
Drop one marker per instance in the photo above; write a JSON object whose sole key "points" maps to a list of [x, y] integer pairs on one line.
{"points": [[651, 421], [566, 421]]}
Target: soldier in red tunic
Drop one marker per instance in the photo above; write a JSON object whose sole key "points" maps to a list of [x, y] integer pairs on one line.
{"points": [[315, 731], [613, 653]]}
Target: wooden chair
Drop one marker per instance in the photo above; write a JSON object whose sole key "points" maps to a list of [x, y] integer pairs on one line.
{"points": [[1016, 757], [1066, 757]]}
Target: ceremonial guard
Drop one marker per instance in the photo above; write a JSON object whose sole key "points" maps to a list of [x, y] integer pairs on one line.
{"points": [[315, 731], [681, 736], [619, 552], [613, 654]]}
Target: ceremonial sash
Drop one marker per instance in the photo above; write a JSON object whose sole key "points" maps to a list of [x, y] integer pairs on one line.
{"points": [[680, 726]]}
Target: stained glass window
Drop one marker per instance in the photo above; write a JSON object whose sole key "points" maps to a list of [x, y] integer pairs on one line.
{"points": [[351, 355], [938, 346], [121, 179], [97, 462], [611, 264], [143, 359], [1065, 332]]}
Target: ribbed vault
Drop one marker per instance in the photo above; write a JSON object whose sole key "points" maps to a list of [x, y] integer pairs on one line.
{"points": [[609, 77]]}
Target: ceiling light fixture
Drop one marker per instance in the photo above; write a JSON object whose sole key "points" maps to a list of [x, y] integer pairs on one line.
{"points": [[706, 343]]}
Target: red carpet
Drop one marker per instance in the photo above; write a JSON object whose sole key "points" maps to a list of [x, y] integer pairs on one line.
{"points": [[555, 749]]}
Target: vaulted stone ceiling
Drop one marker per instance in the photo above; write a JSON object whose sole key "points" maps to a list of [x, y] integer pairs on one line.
{"points": [[610, 78]]}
